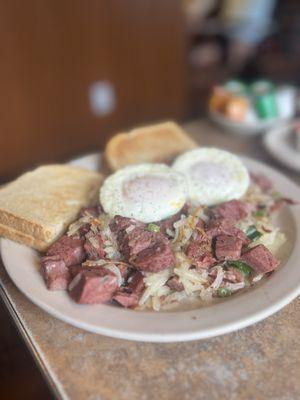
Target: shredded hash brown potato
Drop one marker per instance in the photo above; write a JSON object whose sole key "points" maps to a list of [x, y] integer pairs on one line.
{"points": [[197, 284], [222, 279]]}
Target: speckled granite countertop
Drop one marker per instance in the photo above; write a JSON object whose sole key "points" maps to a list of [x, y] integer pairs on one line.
{"points": [[259, 362]]}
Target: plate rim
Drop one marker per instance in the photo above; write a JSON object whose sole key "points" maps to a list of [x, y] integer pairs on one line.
{"points": [[190, 334]]}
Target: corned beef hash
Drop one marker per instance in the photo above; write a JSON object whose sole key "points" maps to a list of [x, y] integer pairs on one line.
{"points": [[199, 229]]}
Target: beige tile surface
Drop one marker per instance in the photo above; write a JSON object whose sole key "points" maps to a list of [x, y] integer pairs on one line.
{"points": [[259, 362]]}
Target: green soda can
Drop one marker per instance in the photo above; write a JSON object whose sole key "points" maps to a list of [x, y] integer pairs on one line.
{"points": [[264, 99]]}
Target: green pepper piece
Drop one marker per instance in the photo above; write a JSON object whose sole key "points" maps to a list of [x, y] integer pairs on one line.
{"points": [[252, 233], [153, 228], [241, 266], [260, 213], [224, 292]]}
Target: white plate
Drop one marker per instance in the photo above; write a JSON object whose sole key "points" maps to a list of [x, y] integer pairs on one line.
{"points": [[279, 145], [22, 265], [245, 128]]}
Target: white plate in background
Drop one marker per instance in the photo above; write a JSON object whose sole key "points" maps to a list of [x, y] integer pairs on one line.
{"points": [[279, 144], [236, 312]]}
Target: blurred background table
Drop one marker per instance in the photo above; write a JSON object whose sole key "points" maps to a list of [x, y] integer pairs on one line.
{"points": [[259, 362], [74, 72]]}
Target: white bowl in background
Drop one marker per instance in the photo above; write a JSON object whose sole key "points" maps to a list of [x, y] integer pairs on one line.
{"points": [[246, 128]]}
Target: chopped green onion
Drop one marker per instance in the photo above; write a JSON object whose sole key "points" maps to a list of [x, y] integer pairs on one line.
{"points": [[224, 292], [252, 233], [260, 213], [153, 228], [242, 266]]}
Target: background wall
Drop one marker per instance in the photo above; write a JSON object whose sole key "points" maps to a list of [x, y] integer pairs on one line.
{"points": [[52, 51]]}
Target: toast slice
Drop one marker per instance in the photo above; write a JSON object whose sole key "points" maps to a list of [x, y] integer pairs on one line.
{"points": [[154, 143], [36, 208]]}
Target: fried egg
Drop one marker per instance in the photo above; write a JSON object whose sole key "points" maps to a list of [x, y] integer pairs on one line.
{"points": [[213, 176], [146, 192]]}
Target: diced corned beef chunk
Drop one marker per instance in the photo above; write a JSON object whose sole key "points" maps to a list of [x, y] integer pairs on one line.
{"points": [[233, 210], [199, 258], [136, 282], [200, 252], [167, 224], [69, 249], [127, 232], [218, 227], [260, 259], [84, 229], [126, 300], [125, 269], [262, 181], [225, 227], [135, 241], [94, 246], [74, 270], [147, 251], [93, 285], [228, 247], [175, 284], [121, 223], [200, 225], [55, 272], [130, 295], [154, 258]]}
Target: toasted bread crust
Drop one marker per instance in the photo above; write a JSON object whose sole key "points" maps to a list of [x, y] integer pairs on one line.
{"points": [[154, 143], [22, 238], [36, 208]]}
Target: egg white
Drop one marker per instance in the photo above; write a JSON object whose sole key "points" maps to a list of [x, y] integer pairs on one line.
{"points": [[124, 193], [213, 176]]}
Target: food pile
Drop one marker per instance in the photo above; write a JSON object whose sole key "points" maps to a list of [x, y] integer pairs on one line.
{"points": [[250, 103], [172, 222], [201, 252]]}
